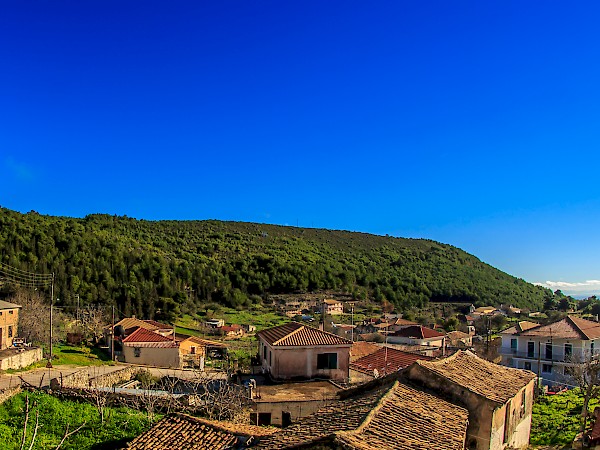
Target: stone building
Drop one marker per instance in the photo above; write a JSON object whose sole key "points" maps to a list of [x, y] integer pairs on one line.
{"points": [[297, 351], [9, 321], [499, 399]]}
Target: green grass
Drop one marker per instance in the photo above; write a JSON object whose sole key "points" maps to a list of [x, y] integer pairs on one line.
{"points": [[70, 355], [260, 317], [556, 418], [54, 417]]}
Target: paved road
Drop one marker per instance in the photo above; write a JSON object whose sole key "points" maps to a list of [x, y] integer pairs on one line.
{"points": [[42, 377]]}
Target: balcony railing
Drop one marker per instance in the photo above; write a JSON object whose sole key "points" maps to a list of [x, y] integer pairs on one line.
{"points": [[535, 356]]}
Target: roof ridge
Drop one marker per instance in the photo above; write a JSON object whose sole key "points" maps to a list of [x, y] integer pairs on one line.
{"points": [[291, 333], [577, 327], [380, 404]]}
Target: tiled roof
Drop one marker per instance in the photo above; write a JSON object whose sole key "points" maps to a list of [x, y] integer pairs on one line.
{"points": [[332, 302], [205, 342], [418, 332], [180, 431], [403, 322], [143, 335], [361, 348], [296, 334], [486, 379], [568, 328], [385, 361], [8, 305], [394, 417], [523, 325], [131, 323]]}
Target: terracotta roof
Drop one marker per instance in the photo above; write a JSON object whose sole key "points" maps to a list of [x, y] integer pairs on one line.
{"points": [[361, 348], [395, 417], [385, 361], [143, 335], [130, 323], [297, 334], [8, 305], [418, 332], [180, 431], [403, 322], [486, 379], [568, 328], [205, 342], [331, 302]]}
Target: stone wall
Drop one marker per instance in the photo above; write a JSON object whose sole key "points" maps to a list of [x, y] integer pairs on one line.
{"points": [[8, 393], [21, 359], [82, 379]]}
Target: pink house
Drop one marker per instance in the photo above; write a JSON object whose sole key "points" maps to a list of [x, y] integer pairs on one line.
{"points": [[297, 351]]}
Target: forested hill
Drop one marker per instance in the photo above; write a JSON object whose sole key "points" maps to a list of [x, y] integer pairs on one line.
{"points": [[178, 266]]}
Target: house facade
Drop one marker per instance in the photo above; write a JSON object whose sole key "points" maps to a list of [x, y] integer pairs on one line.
{"points": [[193, 351], [297, 351], [499, 399], [550, 350], [149, 348], [333, 307], [417, 335], [9, 322]]}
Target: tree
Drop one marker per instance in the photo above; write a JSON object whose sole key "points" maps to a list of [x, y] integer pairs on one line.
{"points": [[34, 318], [585, 373]]}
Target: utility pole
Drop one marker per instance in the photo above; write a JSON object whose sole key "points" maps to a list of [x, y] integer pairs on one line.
{"points": [[49, 365], [351, 321], [78, 320], [539, 364], [112, 335]]}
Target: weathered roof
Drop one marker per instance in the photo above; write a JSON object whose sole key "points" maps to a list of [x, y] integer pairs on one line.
{"points": [[205, 342], [385, 361], [331, 301], [361, 348], [8, 305], [297, 334], [570, 327], [486, 379], [523, 325], [180, 431], [142, 335], [403, 322], [418, 332], [132, 322], [394, 417], [161, 326]]}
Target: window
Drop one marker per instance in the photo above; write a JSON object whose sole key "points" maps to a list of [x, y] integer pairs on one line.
{"points": [[11, 312], [193, 350], [10, 332], [513, 344], [547, 368], [137, 351], [265, 352], [327, 361], [270, 358], [548, 351], [530, 349], [527, 366], [568, 350], [592, 348]]}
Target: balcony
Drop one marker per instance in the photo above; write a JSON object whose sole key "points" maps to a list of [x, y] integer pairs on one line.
{"points": [[534, 356]]}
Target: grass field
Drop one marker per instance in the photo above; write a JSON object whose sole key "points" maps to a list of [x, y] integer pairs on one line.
{"points": [[69, 355]]}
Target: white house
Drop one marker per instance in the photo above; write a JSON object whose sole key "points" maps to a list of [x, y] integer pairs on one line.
{"points": [[549, 349]]}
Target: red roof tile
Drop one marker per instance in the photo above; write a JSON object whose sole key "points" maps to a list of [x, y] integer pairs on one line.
{"points": [[156, 324], [143, 335], [568, 328], [361, 348], [385, 361], [298, 335], [418, 332]]}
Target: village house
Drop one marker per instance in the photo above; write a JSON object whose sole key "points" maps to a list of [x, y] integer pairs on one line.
{"points": [[381, 363], [9, 322], [150, 348], [393, 416], [552, 349], [499, 399], [231, 330], [417, 335], [459, 339], [333, 307], [193, 351], [361, 348], [297, 351]]}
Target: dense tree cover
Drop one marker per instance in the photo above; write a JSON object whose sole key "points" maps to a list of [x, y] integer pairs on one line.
{"points": [[161, 269]]}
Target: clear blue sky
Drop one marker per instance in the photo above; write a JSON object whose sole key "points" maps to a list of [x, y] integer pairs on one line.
{"points": [[472, 123]]}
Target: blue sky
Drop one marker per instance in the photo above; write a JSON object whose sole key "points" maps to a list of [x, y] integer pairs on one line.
{"points": [[471, 123]]}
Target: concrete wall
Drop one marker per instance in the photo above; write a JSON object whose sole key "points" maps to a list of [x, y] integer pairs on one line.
{"points": [[82, 379], [153, 356], [8, 318], [22, 359], [285, 363], [297, 410], [9, 393]]}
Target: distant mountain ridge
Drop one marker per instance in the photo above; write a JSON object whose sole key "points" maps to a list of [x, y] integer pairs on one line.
{"points": [[169, 267]]}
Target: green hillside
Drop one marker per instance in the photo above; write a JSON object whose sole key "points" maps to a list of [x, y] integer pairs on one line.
{"points": [[173, 267]]}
